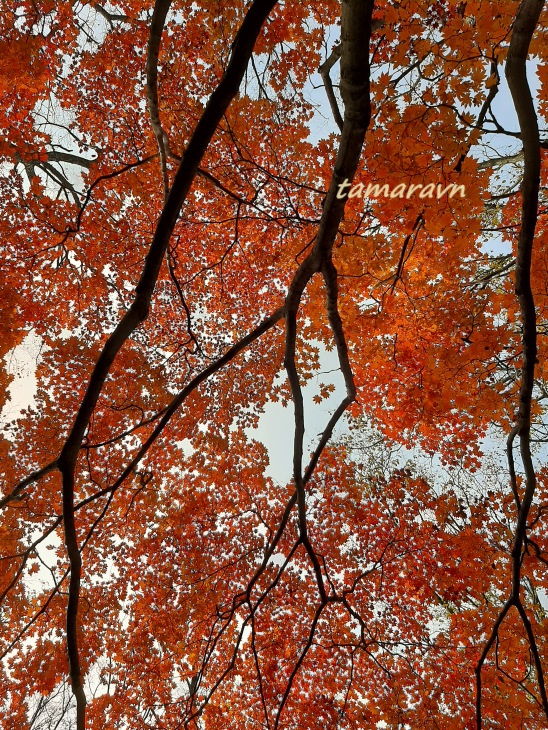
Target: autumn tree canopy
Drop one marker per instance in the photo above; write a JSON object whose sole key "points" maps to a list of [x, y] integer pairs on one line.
{"points": [[199, 201]]}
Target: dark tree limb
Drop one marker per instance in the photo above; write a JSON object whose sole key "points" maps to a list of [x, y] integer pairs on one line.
{"points": [[486, 106], [138, 311], [110, 17], [511, 466], [18, 491], [419, 221], [179, 399], [355, 80], [161, 9], [516, 73], [324, 70]]}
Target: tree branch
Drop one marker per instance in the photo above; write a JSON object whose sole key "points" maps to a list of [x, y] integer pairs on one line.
{"points": [[324, 70], [161, 9], [356, 33], [138, 311], [516, 73], [18, 491]]}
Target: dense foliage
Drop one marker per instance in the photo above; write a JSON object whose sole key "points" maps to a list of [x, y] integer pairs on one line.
{"points": [[185, 234]]}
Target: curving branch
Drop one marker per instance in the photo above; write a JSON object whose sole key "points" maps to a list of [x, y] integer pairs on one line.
{"points": [[356, 33], [355, 76], [138, 311], [516, 73], [324, 70]]}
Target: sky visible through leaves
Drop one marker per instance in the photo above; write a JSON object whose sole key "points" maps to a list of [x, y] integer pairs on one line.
{"points": [[273, 456]]}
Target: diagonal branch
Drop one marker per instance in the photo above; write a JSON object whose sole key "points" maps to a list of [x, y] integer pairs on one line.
{"points": [[18, 491], [324, 70], [138, 311], [179, 399], [110, 17], [419, 221]]}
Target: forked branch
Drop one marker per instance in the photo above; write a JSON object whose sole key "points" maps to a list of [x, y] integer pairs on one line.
{"points": [[516, 72], [138, 311]]}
